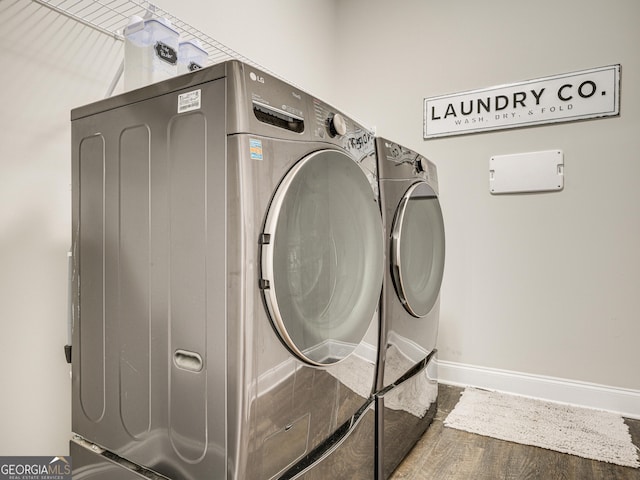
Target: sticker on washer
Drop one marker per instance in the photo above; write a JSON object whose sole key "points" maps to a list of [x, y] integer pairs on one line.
{"points": [[255, 148], [189, 101]]}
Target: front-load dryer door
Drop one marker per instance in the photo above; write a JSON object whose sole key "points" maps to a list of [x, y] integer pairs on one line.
{"points": [[417, 249], [322, 257]]}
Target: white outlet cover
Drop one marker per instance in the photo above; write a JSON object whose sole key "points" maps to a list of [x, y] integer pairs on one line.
{"points": [[527, 172]]}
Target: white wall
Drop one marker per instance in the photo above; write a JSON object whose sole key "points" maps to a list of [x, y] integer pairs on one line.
{"points": [[43, 76], [543, 284]]}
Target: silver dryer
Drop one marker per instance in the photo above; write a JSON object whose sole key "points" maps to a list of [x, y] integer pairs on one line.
{"points": [[409, 314]]}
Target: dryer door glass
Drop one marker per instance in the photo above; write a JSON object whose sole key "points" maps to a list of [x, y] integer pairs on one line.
{"points": [[322, 257], [417, 249]]}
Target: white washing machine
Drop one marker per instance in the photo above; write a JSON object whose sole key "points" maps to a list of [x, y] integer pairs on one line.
{"points": [[415, 252], [227, 251]]}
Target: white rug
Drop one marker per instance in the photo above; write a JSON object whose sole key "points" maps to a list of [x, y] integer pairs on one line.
{"points": [[588, 433]]}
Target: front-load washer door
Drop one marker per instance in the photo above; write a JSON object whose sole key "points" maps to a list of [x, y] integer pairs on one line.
{"points": [[322, 257], [417, 249]]}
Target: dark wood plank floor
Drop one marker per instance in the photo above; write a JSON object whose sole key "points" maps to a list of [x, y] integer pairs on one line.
{"points": [[448, 454]]}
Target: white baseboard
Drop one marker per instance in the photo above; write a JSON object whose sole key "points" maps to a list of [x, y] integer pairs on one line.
{"points": [[623, 401]]}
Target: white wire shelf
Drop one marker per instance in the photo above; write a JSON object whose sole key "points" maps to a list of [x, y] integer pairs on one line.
{"points": [[112, 16]]}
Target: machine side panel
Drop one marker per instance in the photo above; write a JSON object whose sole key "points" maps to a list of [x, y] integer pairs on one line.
{"points": [[149, 235], [91, 275], [188, 285], [134, 278]]}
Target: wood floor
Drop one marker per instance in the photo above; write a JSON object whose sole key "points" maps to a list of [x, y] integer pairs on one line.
{"points": [[448, 454]]}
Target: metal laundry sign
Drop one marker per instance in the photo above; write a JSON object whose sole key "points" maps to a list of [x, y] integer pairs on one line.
{"points": [[590, 93]]}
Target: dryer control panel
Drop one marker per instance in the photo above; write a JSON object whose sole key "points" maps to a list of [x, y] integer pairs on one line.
{"points": [[396, 161]]}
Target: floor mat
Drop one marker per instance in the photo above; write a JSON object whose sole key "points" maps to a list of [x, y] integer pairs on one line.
{"points": [[588, 433]]}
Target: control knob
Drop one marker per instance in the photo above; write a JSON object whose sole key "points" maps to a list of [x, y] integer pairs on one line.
{"points": [[337, 125]]}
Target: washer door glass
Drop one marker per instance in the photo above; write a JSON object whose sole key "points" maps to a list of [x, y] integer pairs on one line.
{"points": [[322, 257], [417, 249]]}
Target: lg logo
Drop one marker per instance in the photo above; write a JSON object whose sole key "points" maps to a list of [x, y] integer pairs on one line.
{"points": [[256, 78]]}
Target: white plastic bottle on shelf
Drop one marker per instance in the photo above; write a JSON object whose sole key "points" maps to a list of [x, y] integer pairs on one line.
{"points": [[191, 56], [150, 52]]}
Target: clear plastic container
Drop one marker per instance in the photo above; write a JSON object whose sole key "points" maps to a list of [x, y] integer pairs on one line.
{"points": [[150, 52], [191, 56]]}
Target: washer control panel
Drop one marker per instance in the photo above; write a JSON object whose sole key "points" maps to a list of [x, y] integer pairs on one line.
{"points": [[332, 125], [298, 115]]}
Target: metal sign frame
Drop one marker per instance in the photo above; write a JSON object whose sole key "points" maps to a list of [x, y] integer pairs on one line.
{"points": [[593, 93]]}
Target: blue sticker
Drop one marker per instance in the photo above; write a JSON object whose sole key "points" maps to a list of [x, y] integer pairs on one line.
{"points": [[255, 148]]}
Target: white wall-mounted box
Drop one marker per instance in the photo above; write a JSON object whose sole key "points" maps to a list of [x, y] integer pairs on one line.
{"points": [[527, 172]]}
